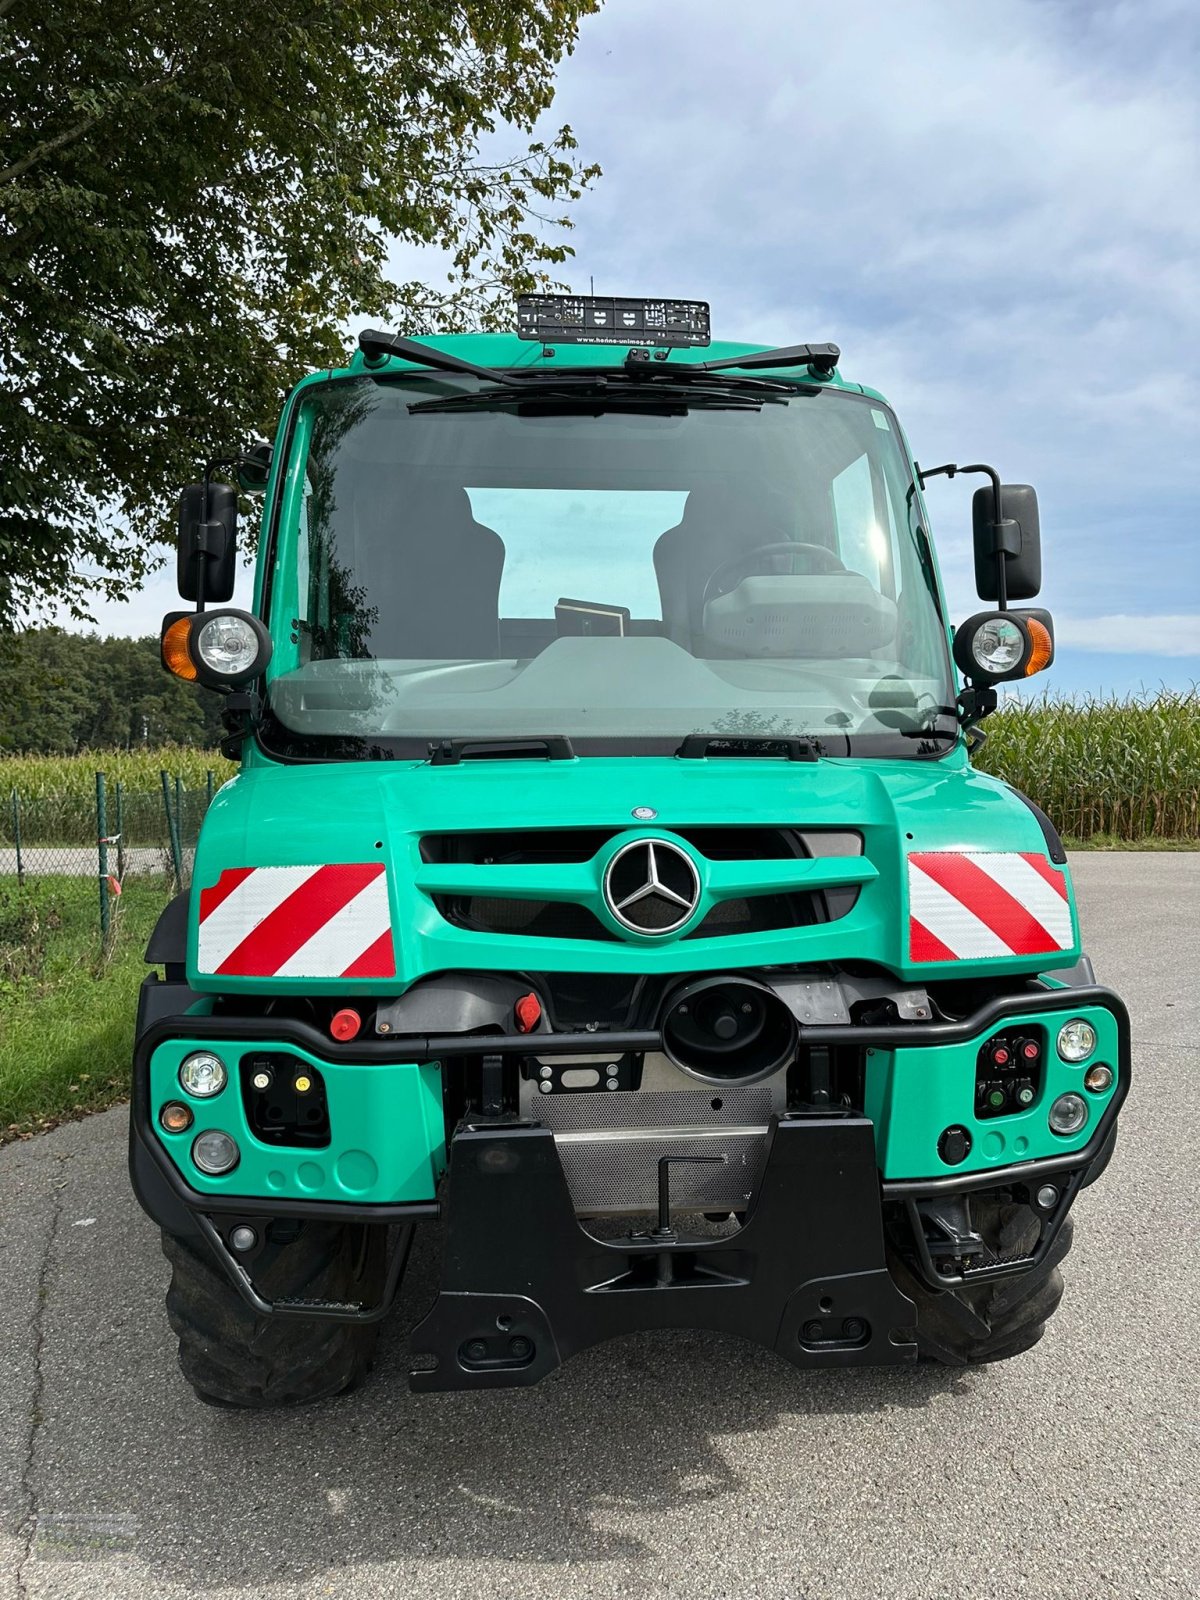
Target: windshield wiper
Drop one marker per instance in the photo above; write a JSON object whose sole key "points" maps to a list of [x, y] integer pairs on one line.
{"points": [[699, 745], [738, 394], [549, 747], [377, 346]]}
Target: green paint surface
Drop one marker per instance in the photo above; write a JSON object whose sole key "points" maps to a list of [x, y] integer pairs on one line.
{"points": [[387, 1130], [913, 1094], [371, 811]]}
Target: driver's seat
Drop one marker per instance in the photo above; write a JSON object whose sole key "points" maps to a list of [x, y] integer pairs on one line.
{"points": [[720, 521]]}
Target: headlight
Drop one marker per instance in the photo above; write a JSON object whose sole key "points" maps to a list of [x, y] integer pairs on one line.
{"points": [[215, 1152], [998, 646], [1076, 1040], [1068, 1114], [993, 646], [203, 1074], [229, 647]]}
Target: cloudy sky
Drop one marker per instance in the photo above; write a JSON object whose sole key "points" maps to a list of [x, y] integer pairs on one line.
{"points": [[992, 207]]}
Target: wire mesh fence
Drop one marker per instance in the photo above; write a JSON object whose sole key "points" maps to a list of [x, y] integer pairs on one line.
{"points": [[110, 836]]}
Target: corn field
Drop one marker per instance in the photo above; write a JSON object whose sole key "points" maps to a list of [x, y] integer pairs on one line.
{"points": [[1127, 770], [1124, 770], [138, 770]]}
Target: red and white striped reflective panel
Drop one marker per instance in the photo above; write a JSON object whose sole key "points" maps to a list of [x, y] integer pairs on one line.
{"points": [[966, 905], [298, 922]]}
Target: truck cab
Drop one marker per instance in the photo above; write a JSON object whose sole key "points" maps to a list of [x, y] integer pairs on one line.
{"points": [[607, 880]]}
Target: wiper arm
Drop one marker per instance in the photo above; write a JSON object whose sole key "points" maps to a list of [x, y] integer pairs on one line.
{"points": [[378, 346], [734, 394], [821, 357]]}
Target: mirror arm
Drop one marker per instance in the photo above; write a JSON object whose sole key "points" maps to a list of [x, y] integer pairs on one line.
{"points": [[1005, 537]]}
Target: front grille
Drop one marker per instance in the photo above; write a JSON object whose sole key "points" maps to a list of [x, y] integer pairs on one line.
{"points": [[528, 919], [759, 913], [478, 851]]}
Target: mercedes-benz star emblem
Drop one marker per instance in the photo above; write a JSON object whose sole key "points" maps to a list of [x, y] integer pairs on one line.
{"points": [[651, 886]]}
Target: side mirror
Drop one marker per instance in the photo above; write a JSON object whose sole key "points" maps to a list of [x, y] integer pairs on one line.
{"points": [[207, 561], [1015, 540], [254, 468]]}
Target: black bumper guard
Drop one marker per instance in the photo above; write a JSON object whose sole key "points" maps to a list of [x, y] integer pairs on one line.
{"points": [[524, 1287]]}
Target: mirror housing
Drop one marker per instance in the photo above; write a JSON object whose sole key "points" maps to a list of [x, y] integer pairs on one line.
{"points": [[1016, 540], [254, 468], [207, 557]]}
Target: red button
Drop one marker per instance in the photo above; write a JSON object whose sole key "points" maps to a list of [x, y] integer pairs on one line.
{"points": [[528, 1012], [345, 1024], [1000, 1055], [1030, 1050]]}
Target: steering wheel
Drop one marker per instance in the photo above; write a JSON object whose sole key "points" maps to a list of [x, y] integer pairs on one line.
{"points": [[822, 559]]}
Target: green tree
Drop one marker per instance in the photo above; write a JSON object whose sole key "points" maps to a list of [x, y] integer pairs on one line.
{"points": [[62, 692], [195, 197]]}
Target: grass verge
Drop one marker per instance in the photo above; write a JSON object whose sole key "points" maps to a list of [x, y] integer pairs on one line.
{"points": [[66, 1013]]}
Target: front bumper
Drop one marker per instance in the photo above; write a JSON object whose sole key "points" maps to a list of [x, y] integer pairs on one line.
{"points": [[525, 1286]]}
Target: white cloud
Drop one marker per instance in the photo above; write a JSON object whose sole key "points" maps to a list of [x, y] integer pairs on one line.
{"points": [[1129, 634]]}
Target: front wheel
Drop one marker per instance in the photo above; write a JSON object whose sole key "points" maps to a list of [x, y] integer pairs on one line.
{"points": [[231, 1356], [993, 1320]]}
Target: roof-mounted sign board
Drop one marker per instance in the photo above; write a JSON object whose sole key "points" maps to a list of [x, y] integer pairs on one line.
{"points": [[601, 319]]}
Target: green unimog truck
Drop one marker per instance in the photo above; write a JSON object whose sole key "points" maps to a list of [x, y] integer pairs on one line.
{"points": [[606, 881]]}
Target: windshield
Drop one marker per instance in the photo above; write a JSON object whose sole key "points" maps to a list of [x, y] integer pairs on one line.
{"points": [[621, 569]]}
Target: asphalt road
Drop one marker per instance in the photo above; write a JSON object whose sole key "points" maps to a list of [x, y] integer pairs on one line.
{"points": [[668, 1465]]}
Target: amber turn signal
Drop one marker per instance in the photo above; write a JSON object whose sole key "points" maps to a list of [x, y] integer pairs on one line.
{"points": [[1042, 652], [176, 656]]}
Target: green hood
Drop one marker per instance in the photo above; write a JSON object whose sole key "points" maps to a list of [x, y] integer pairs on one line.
{"points": [[374, 815]]}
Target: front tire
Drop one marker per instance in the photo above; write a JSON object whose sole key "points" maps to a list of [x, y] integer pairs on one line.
{"points": [[993, 1320], [231, 1356]]}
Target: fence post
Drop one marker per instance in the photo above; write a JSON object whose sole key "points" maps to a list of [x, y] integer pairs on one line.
{"points": [[208, 788], [102, 855], [172, 830], [120, 832], [16, 811]]}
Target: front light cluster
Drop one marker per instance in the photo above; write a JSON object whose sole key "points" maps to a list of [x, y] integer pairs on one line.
{"points": [[203, 1075], [220, 649]]}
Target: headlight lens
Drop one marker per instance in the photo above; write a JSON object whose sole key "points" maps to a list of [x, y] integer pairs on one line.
{"points": [[203, 1074], [215, 1152], [1098, 1078], [1076, 1040], [227, 644], [1068, 1114], [998, 646]]}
